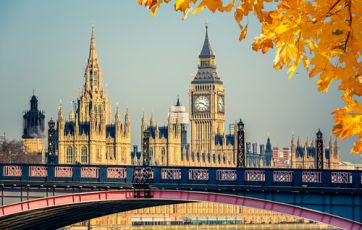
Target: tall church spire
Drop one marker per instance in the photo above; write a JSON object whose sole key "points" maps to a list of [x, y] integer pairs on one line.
{"points": [[92, 49], [93, 76]]}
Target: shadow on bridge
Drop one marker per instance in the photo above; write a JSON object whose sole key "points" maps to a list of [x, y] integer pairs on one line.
{"points": [[60, 211]]}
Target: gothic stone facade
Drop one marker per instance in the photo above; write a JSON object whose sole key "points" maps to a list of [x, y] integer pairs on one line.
{"points": [[306, 157], [90, 136]]}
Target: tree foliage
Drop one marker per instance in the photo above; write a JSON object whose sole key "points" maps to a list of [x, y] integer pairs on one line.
{"points": [[323, 36], [12, 151]]}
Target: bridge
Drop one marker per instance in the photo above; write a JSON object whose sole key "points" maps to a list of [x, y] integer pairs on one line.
{"points": [[53, 196]]}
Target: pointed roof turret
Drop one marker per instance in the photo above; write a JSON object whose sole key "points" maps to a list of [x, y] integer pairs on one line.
{"points": [[157, 130], [268, 145], [143, 122], [60, 111], [178, 101], [206, 51], [240, 124], [118, 116], [127, 117], [319, 134], [292, 141], [33, 103], [144, 118], [152, 121], [51, 124]]}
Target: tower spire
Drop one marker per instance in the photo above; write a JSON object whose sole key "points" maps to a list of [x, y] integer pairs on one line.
{"points": [[178, 101], [93, 78], [206, 51], [92, 49], [207, 64]]}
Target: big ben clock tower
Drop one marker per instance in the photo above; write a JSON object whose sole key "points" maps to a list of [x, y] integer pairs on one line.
{"points": [[207, 108]]}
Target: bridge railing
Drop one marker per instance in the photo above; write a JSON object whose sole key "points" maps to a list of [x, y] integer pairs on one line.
{"points": [[123, 175]]}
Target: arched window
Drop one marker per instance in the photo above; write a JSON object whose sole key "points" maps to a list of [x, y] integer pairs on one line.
{"points": [[224, 159], [219, 158], [192, 157], [203, 157], [214, 158], [208, 157], [84, 155], [69, 155], [163, 155], [198, 156]]}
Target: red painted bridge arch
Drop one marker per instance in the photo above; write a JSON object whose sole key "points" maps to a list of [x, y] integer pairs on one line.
{"points": [[15, 212]]}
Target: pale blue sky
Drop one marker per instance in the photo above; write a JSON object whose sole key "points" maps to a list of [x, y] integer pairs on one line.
{"points": [[146, 62]]}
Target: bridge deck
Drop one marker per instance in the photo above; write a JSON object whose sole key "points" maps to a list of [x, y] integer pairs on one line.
{"points": [[182, 176], [335, 192]]}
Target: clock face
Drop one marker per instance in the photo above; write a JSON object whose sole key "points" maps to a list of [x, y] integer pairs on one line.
{"points": [[201, 103], [220, 104]]}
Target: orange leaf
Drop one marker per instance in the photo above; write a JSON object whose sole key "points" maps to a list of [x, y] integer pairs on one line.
{"points": [[243, 33]]}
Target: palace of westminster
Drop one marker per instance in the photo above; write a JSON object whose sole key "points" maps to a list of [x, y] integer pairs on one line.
{"points": [[91, 136]]}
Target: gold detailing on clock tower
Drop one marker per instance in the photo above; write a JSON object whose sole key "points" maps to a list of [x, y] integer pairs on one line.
{"points": [[206, 98]]}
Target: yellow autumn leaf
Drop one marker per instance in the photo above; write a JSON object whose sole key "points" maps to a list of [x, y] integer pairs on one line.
{"points": [[281, 28], [198, 9], [292, 69], [325, 80]]}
